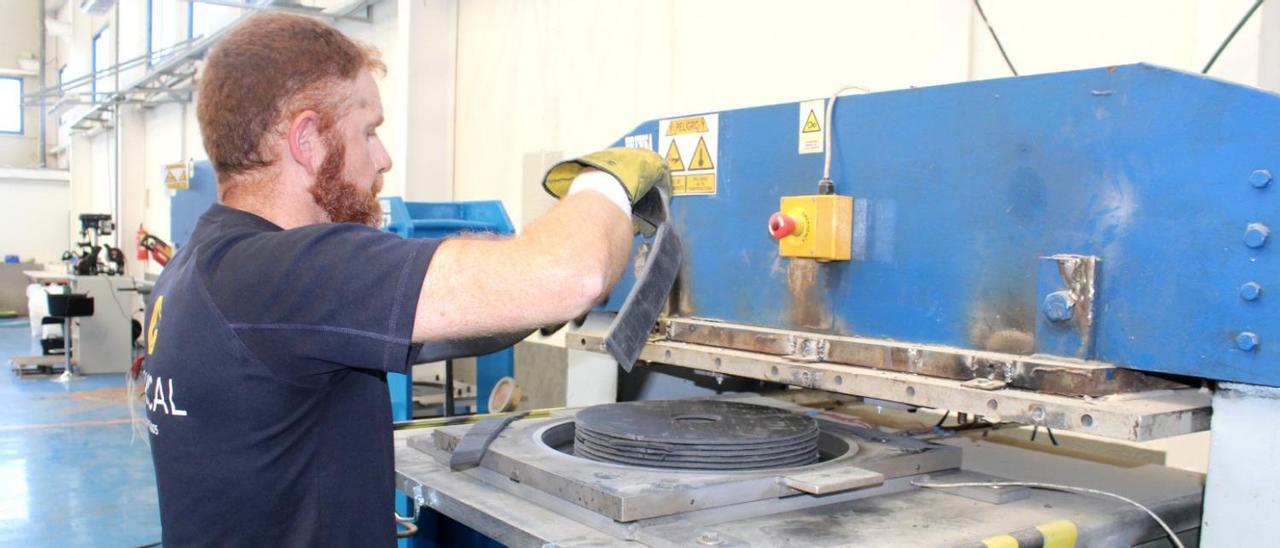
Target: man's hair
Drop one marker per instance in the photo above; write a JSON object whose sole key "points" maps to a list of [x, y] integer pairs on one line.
{"points": [[265, 71]]}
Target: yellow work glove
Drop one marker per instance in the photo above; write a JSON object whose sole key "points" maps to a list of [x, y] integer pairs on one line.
{"points": [[639, 170]]}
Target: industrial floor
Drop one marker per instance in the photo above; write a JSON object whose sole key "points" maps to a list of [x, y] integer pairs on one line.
{"points": [[71, 472]]}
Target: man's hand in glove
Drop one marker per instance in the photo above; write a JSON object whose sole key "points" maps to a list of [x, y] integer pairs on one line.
{"points": [[625, 175], [556, 268]]}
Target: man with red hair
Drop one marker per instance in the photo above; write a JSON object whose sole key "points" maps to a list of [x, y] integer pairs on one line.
{"points": [[270, 333]]}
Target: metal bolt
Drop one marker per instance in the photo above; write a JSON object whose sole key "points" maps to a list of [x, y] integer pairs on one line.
{"points": [[1059, 305], [1250, 291], [1260, 178], [1255, 235], [1247, 341], [710, 538], [1037, 413]]}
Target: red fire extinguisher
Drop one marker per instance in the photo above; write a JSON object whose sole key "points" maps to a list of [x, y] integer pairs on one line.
{"points": [[153, 247], [142, 249]]}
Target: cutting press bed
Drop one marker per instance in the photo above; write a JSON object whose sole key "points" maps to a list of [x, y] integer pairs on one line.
{"points": [[528, 491]]}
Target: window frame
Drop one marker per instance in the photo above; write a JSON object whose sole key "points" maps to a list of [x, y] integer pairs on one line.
{"points": [[93, 62], [191, 16], [151, 29], [22, 112]]}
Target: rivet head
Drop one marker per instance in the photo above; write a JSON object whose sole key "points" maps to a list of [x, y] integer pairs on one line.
{"points": [[1058, 306], [1255, 235], [1247, 341], [1250, 291], [1260, 178]]}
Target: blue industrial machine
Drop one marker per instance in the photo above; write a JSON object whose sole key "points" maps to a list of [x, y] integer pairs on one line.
{"points": [[964, 195], [438, 220], [1084, 251], [188, 204]]}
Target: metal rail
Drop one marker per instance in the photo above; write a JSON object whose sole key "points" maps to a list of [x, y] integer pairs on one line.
{"points": [[1139, 416]]}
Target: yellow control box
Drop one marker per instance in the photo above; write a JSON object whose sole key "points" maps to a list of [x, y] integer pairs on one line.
{"points": [[814, 227]]}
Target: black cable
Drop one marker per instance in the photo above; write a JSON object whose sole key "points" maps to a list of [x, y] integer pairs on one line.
{"points": [[1230, 37], [1000, 46]]}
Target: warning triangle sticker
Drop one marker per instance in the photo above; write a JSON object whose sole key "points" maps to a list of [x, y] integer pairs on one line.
{"points": [[169, 178], [701, 158], [811, 124], [674, 162]]}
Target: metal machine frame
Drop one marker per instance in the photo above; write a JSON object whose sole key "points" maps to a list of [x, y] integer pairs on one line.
{"points": [[1081, 251]]}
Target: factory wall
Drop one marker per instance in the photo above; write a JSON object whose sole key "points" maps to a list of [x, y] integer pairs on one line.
{"points": [[542, 79], [33, 214], [19, 38]]}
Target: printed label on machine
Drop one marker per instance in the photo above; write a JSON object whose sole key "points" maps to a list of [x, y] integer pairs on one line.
{"points": [[812, 116], [691, 146], [175, 176], [643, 140]]}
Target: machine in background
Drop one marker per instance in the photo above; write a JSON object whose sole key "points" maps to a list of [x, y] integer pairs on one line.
{"points": [[96, 257], [1085, 251], [96, 307]]}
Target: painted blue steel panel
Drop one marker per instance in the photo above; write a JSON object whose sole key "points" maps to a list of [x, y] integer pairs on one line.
{"points": [[438, 220], [188, 204], [960, 189]]}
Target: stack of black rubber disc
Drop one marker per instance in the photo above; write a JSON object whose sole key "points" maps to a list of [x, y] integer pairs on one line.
{"points": [[696, 434]]}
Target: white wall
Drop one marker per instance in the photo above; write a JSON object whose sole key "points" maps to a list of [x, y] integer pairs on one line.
{"points": [[541, 79], [33, 214], [1044, 36], [382, 34], [19, 37]]}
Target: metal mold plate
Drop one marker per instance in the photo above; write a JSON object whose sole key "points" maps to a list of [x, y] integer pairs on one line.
{"points": [[627, 493]]}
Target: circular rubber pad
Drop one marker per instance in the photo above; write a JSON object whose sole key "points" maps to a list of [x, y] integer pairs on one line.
{"points": [[696, 434]]}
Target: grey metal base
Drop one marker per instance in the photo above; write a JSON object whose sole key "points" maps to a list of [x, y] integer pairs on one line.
{"points": [[512, 499]]}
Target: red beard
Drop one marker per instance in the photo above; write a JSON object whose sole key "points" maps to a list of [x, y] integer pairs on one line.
{"points": [[340, 198]]}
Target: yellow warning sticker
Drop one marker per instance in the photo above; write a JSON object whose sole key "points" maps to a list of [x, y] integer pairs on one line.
{"points": [[685, 126], [701, 157], [691, 145], [175, 176], [674, 162], [812, 114], [702, 183], [811, 124], [679, 184]]}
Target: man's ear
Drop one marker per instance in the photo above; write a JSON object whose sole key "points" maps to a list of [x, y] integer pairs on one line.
{"points": [[305, 145]]}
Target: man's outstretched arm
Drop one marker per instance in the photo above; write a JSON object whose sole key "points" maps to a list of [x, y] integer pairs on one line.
{"points": [[558, 268], [561, 265]]}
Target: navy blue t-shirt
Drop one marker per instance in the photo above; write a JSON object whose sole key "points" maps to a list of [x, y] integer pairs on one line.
{"points": [[266, 383]]}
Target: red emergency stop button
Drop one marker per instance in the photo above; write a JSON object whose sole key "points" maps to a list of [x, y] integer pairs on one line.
{"points": [[781, 225]]}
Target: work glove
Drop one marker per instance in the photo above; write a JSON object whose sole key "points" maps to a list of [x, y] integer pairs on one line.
{"points": [[641, 172]]}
